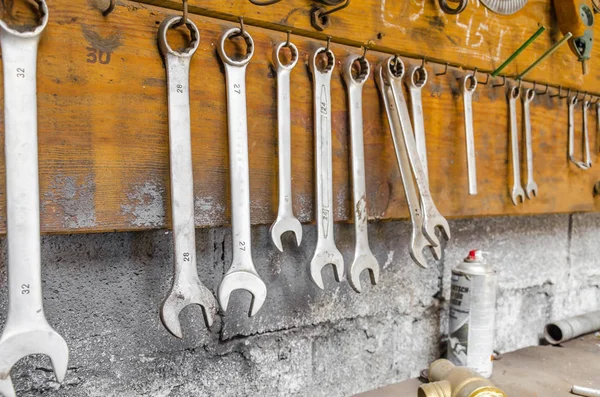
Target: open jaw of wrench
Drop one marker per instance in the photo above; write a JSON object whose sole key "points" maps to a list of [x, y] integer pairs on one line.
{"points": [[286, 221], [187, 288], [242, 273], [468, 84], [26, 330], [581, 164], [363, 257], [418, 239], [517, 191], [531, 189], [326, 251]]}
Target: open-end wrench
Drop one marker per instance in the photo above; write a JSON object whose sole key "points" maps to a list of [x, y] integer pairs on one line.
{"points": [[468, 84], [286, 221], [432, 218], [531, 189], [597, 127], [585, 105], [415, 79], [242, 273], [186, 288], [517, 190], [418, 239], [26, 330], [363, 257], [572, 102], [326, 252]]}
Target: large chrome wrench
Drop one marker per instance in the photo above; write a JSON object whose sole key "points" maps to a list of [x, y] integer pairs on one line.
{"points": [[186, 288], [242, 273], [432, 218], [572, 102], [468, 84], [418, 239], [585, 105], [26, 330], [286, 221], [531, 189], [517, 190], [415, 79], [363, 257], [326, 252]]}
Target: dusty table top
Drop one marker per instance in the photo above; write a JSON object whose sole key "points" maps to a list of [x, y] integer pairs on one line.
{"points": [[539, 371]]}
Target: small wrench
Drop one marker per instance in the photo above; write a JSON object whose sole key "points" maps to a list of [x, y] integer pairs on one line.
{"points": [[186, 288], [531, 189], [432, 218], [26, 330], [363, 257], [517, 190], [467, 91], [598, 127], [326, 252], [572, 102], [242, 273], [415, 79], [418, 239], [286, 221], [586, 143]]}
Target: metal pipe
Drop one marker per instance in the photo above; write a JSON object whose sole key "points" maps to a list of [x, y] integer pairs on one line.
{"points": [[564, 330]]}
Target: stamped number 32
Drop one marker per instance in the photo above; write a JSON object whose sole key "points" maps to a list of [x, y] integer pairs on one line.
{"points": [[20, 73]]}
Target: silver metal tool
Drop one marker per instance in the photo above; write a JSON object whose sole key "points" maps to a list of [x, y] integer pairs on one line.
{"points": [[186, 288], [26, 330], [363, 257], [504, 7], [415, 79], [583, 165], [586, 143], [468, 84], [517, 191], [531, 189], [286, 221], [326, 252], [598, 127], [6, 388], [242, 273], [418, 239]]}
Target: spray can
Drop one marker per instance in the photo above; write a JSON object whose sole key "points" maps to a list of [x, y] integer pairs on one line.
{"points": [[472, 314]]}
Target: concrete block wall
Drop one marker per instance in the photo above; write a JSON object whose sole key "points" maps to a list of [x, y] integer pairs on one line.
{"points": [[103, 292]]}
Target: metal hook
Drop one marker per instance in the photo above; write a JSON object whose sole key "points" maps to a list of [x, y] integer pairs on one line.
{"points": [[566, 96], [594, 102], [184, 18], [444, 72], [500, 85], [110, 8], [242, 27], [328, 43], [520, 82], [559, 92], [474, 73], [423, 63], [487, 79], [365, 49], [543, 92], [287, 41], [319, 18]]}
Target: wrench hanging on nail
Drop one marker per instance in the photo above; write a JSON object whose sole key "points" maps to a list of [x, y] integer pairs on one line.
{"points": [[415, 79], [585, 105], [26, 331], [531, 189], [468, 84], [418, 239], [517, 190], [186, 288], [286, 221], [242, 273], [583, 165], [326, 252], [363, 257]]}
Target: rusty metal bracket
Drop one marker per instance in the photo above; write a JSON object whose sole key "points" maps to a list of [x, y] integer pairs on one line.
{"points": [[319, 16]]}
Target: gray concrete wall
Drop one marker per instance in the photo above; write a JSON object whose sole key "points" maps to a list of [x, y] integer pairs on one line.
{"points": [[102, 293]]}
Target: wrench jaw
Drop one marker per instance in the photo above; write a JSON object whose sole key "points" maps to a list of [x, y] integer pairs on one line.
{"points": [[323, 257], [517, 193], [6, 388], [531, 190], [364, 261], [283, 225], [183, 295], [246, 280], [42, 340]]}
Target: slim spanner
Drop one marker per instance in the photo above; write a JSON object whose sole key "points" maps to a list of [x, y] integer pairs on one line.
{"points": [[326, 252], [572, 102], [26, 330], [597, 127], [517, 190], [242, 273], [286, 221], [363, 257], [468, 84], [585, 105], [531, 189], [415, 79], [187, 288], [418, 239], [432, 218]]}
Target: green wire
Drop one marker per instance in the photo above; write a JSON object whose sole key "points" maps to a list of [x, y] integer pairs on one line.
{"points": [[520, 50], [546, 55]]}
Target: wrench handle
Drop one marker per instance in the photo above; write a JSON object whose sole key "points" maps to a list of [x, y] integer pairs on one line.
{"points": [[284, 140], [416, 103], [19, 59], [470, 142], [528, 143], [514, 141]]}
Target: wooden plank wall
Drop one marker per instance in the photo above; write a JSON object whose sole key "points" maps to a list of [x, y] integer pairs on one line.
{"points": [[103, 133]]}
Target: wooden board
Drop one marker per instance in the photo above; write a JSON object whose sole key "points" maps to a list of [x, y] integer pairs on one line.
{"points": [[103, 134]]}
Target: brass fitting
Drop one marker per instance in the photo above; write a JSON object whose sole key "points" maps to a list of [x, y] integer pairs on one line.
{"points": [[448, 380]]}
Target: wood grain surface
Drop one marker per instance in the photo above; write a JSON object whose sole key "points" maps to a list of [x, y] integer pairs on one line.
{"points": [[103, 135]]}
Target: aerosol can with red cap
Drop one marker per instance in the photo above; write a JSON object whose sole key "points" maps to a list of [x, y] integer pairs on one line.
{"points": [[472, 314]]}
